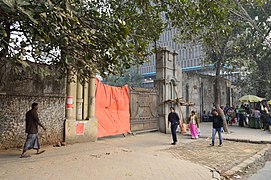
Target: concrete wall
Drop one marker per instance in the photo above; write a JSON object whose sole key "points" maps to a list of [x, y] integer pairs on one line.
{"points": [[12, 119], [17, 93], [81, 124], [199, 89], [168, 84]]}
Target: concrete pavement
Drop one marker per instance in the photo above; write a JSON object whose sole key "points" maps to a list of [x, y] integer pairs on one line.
{"points": [[237, 133], [133, 157], [244, 134], [144, 156]]}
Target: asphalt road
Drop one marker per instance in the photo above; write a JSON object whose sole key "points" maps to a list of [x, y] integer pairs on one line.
{"points": [[263, 174]]}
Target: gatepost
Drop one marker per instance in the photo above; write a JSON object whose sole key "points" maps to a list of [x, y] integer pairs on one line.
{"points": [[168, 84], [81, 124]]}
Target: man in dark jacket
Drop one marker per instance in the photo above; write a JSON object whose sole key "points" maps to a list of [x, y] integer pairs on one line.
{"points": [[32, 122], [217, 127], [174, 120]]}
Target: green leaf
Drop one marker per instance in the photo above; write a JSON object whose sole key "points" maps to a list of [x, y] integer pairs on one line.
{"points": [[28, 13]]}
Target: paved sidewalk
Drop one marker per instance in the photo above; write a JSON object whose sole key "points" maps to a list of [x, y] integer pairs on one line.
{"points": [[238, 133], [144, 156], [134, 157]]}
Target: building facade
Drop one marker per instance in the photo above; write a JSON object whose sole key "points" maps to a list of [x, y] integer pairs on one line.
{"points": [[189, 55]]}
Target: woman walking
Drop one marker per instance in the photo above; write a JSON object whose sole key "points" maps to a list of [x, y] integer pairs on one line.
{"points": [[194, 125]]}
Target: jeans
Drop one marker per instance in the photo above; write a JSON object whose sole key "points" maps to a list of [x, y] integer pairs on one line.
{"points": [[174, 127], [219, 134], [257, 123]]}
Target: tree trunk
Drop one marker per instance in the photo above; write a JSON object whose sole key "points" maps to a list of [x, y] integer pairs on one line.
{"points": [[4, 44], [5, 41], [217, 94]]}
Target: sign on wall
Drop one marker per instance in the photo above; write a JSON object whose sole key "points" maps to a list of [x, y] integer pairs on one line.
{"points": [[80, 128]]}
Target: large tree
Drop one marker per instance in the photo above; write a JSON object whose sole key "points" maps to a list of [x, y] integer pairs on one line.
{"points": [[78, 35], [216, 25], [253, 46], [210, 24]]}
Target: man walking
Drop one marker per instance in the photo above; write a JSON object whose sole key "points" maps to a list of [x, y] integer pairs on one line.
{"points": [[32, 122], [217, 127], [174, 120]]}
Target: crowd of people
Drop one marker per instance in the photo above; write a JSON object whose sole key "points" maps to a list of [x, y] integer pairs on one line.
{"points": [[241, 114]]}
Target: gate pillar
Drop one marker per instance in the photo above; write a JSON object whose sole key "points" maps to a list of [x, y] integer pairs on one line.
{"points": [[81, 123], [168, 84]]}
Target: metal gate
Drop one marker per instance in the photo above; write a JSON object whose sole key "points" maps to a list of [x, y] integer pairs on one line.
{"points": [[143, 109]]}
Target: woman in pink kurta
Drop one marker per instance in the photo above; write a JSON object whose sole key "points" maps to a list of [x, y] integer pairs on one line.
{"points": [[193, 125]]}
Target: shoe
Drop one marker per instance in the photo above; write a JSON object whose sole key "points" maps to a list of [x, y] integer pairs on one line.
{"points": [[173, 143], [220, 145], [40, 152], [25, 156], [211, 144]]}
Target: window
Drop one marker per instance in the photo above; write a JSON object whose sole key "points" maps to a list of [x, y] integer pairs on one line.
{"points": [[170, 90]]}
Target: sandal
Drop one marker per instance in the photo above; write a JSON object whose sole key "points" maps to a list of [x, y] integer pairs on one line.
{"points": [[40, 152], [25, 156]]}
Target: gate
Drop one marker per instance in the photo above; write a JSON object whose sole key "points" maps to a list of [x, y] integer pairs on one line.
{"points": [[143, 109]]}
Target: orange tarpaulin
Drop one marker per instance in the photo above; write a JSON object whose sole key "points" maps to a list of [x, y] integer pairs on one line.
{"points": [[112, 109]]}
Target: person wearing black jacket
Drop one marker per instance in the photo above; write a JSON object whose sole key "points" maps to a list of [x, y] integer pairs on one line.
{"points": [[31, 128], [174, 120], [217, 127]]}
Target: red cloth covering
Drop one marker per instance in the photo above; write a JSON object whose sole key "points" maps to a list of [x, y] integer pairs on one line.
{"points": [[112, 109]]}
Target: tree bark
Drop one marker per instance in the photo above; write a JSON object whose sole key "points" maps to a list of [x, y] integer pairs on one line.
{"points": [[5, 40], [217, 94]]}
